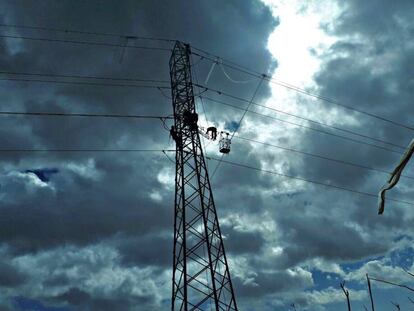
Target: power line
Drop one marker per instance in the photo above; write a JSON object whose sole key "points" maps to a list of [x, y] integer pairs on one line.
{"points": [[86, 43], [82, 77], [130, 85], [392, 283], [196, 79], [64, 114], [85, 150], [169, 159], [307, 127], [251, 72], [225, 94], [306, 180], [303, 118], [167, 117], [85, 32], [86, 83], [318, 156], [239, 123], [210, 56]]}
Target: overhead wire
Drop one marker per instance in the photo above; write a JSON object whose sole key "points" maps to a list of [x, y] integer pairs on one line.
{"points": [[222, 60], [207, 55], [219, 92], [201, 98], [54, 75], [231, 79], [94, 115], [239, 123], [318, 156], [239, 67], [85, 83], [85, 150], [247, 108], [257, 74], [92, 43], [194, 72], [305, 180], [169, 117], [306, 127], [163, 94], [168, 157], [54, 29]]}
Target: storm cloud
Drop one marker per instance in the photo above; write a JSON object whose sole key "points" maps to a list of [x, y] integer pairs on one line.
{"points": [[93, 230]]}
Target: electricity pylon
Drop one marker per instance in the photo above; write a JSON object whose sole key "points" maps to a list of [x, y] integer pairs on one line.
{"points": [[201, 277]]}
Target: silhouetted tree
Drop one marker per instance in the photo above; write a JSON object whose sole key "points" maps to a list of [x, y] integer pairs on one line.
{"points": [[370, 293], [396, 305], [392, 283], [346, 293]]}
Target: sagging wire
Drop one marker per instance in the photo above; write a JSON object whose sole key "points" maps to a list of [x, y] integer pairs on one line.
{"points": [[163, 94], [241, 119], [219, 62], [231, 79], [168, 157], [164, 124], [395, 176], [213, 65]]}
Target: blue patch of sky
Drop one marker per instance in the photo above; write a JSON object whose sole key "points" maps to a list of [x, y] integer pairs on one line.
{"points": [[26, 304], [231, 126], [402, 258], [44, 174], [324, 280], [351, 266]]}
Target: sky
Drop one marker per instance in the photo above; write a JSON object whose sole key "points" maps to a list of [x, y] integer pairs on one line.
{"points": [[93, 230]]}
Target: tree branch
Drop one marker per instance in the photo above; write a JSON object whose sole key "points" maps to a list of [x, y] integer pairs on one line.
{"points": [[394, 284]]}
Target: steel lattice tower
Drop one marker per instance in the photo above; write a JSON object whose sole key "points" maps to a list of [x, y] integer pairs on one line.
{"points": [[201, 278]]}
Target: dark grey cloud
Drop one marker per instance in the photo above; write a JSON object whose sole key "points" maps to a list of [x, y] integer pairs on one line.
{"points": [[148, 250], [274, 282], [114, 210], [366, 69], [242, 242], [116, 199], [10, 276]]}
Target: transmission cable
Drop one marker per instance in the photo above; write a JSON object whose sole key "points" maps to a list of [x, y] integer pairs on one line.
{"points": [[65, 114], [318, 156], [241, 119], [299, 90], [86, 150], [85, 43], [303, 118], [81, 76], [85, 83], [308, 127], [168, 157], [230, 78], [305, 180], [210, 56], [202, 104], [163, 94], [225, 94], [85, 32], [196, 80]]}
